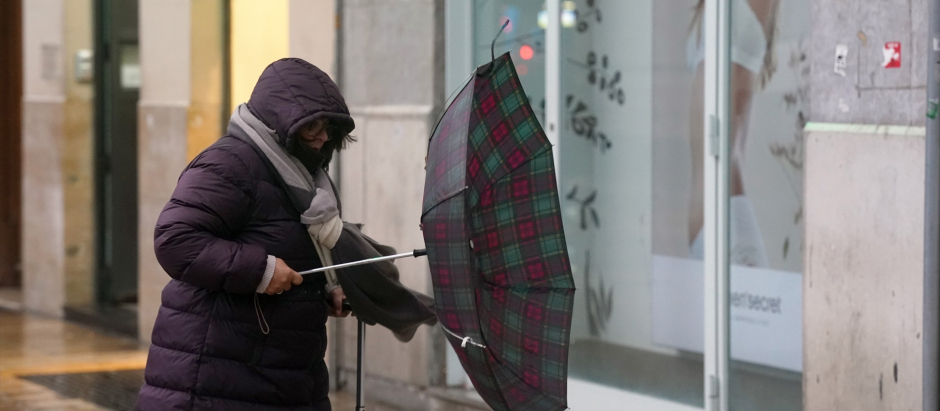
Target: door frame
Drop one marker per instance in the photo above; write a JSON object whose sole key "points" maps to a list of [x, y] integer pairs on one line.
{"points": [[105, 54], [717, 130]]}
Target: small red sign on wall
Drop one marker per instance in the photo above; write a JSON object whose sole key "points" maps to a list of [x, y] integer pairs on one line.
{"points": [[892, 54]]}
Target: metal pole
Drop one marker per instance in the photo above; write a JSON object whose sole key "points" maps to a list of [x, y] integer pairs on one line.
{"points": [[931, 377], [360, 394], [723, 206], [553, 80], [415, 253]]}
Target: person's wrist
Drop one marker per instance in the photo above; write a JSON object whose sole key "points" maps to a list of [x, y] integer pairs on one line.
{"points": [[268, 274]]}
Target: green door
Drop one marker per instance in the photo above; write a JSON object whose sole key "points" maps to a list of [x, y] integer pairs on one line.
{"points": [[117, 92]]}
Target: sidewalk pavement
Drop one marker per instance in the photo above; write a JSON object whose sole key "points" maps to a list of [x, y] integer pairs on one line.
{"points": [[50, 364]]}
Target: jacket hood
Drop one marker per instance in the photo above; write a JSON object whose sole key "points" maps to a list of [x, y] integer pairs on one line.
{"points": [[291, 93]]}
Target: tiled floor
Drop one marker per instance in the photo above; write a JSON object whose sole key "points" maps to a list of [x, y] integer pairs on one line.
{"points": [[41, 357], [38, 346]]}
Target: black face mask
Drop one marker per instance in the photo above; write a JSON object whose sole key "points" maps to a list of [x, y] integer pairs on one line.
{"points": [[311, 158]]}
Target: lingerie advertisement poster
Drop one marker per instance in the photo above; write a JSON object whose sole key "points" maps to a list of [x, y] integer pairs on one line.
{"points": [[769, 80]]}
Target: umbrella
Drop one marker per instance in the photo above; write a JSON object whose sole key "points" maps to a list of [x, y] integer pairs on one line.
{"points": [[503, 287]]}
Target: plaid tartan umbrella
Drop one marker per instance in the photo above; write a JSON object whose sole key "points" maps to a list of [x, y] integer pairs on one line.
{"points": [[496, 247]]}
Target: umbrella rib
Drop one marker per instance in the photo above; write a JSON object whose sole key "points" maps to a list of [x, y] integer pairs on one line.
{"points": [[464, 340], [448, 104], [443, 199], [512, 372], [523, 287]]}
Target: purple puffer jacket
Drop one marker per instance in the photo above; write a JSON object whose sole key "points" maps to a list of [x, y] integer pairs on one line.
{"points": [[227, 214]]}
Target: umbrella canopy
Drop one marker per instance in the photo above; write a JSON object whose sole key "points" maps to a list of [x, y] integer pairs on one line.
{"points": [[496, 247]]}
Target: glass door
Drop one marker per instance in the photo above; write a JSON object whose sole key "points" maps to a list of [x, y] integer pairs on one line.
{"points": [[764, 94], [117, 91], [625, 181], [755, 79]]}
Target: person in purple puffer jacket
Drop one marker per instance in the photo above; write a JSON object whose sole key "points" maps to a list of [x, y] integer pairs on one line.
{"points": [[238, 328]]}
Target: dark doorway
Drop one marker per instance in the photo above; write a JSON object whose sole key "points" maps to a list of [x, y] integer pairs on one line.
{"points": [[11, 94], [117, 89]]}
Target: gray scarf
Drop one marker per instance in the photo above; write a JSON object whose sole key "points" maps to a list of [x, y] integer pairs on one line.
{"points": [[313, 194]]}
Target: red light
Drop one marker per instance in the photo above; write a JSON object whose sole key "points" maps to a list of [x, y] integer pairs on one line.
{"points": [[526, 52]]}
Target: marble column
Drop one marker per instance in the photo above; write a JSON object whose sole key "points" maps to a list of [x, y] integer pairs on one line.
{"points": [[43, 214]]}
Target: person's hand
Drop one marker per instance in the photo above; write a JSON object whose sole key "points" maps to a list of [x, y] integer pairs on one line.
{"points": [[282, 280], [336, 302]]}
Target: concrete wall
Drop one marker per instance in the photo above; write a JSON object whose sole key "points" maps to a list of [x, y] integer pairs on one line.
{"points": [[43, 213], [392, 79], [312, 33], [864, 194], [863, 284], [869, 93], [162, 134], [393, 52]]}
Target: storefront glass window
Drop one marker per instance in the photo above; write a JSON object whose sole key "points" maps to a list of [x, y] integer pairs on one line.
{"points": [[610, 134], [631, 185], [769, 89]]}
